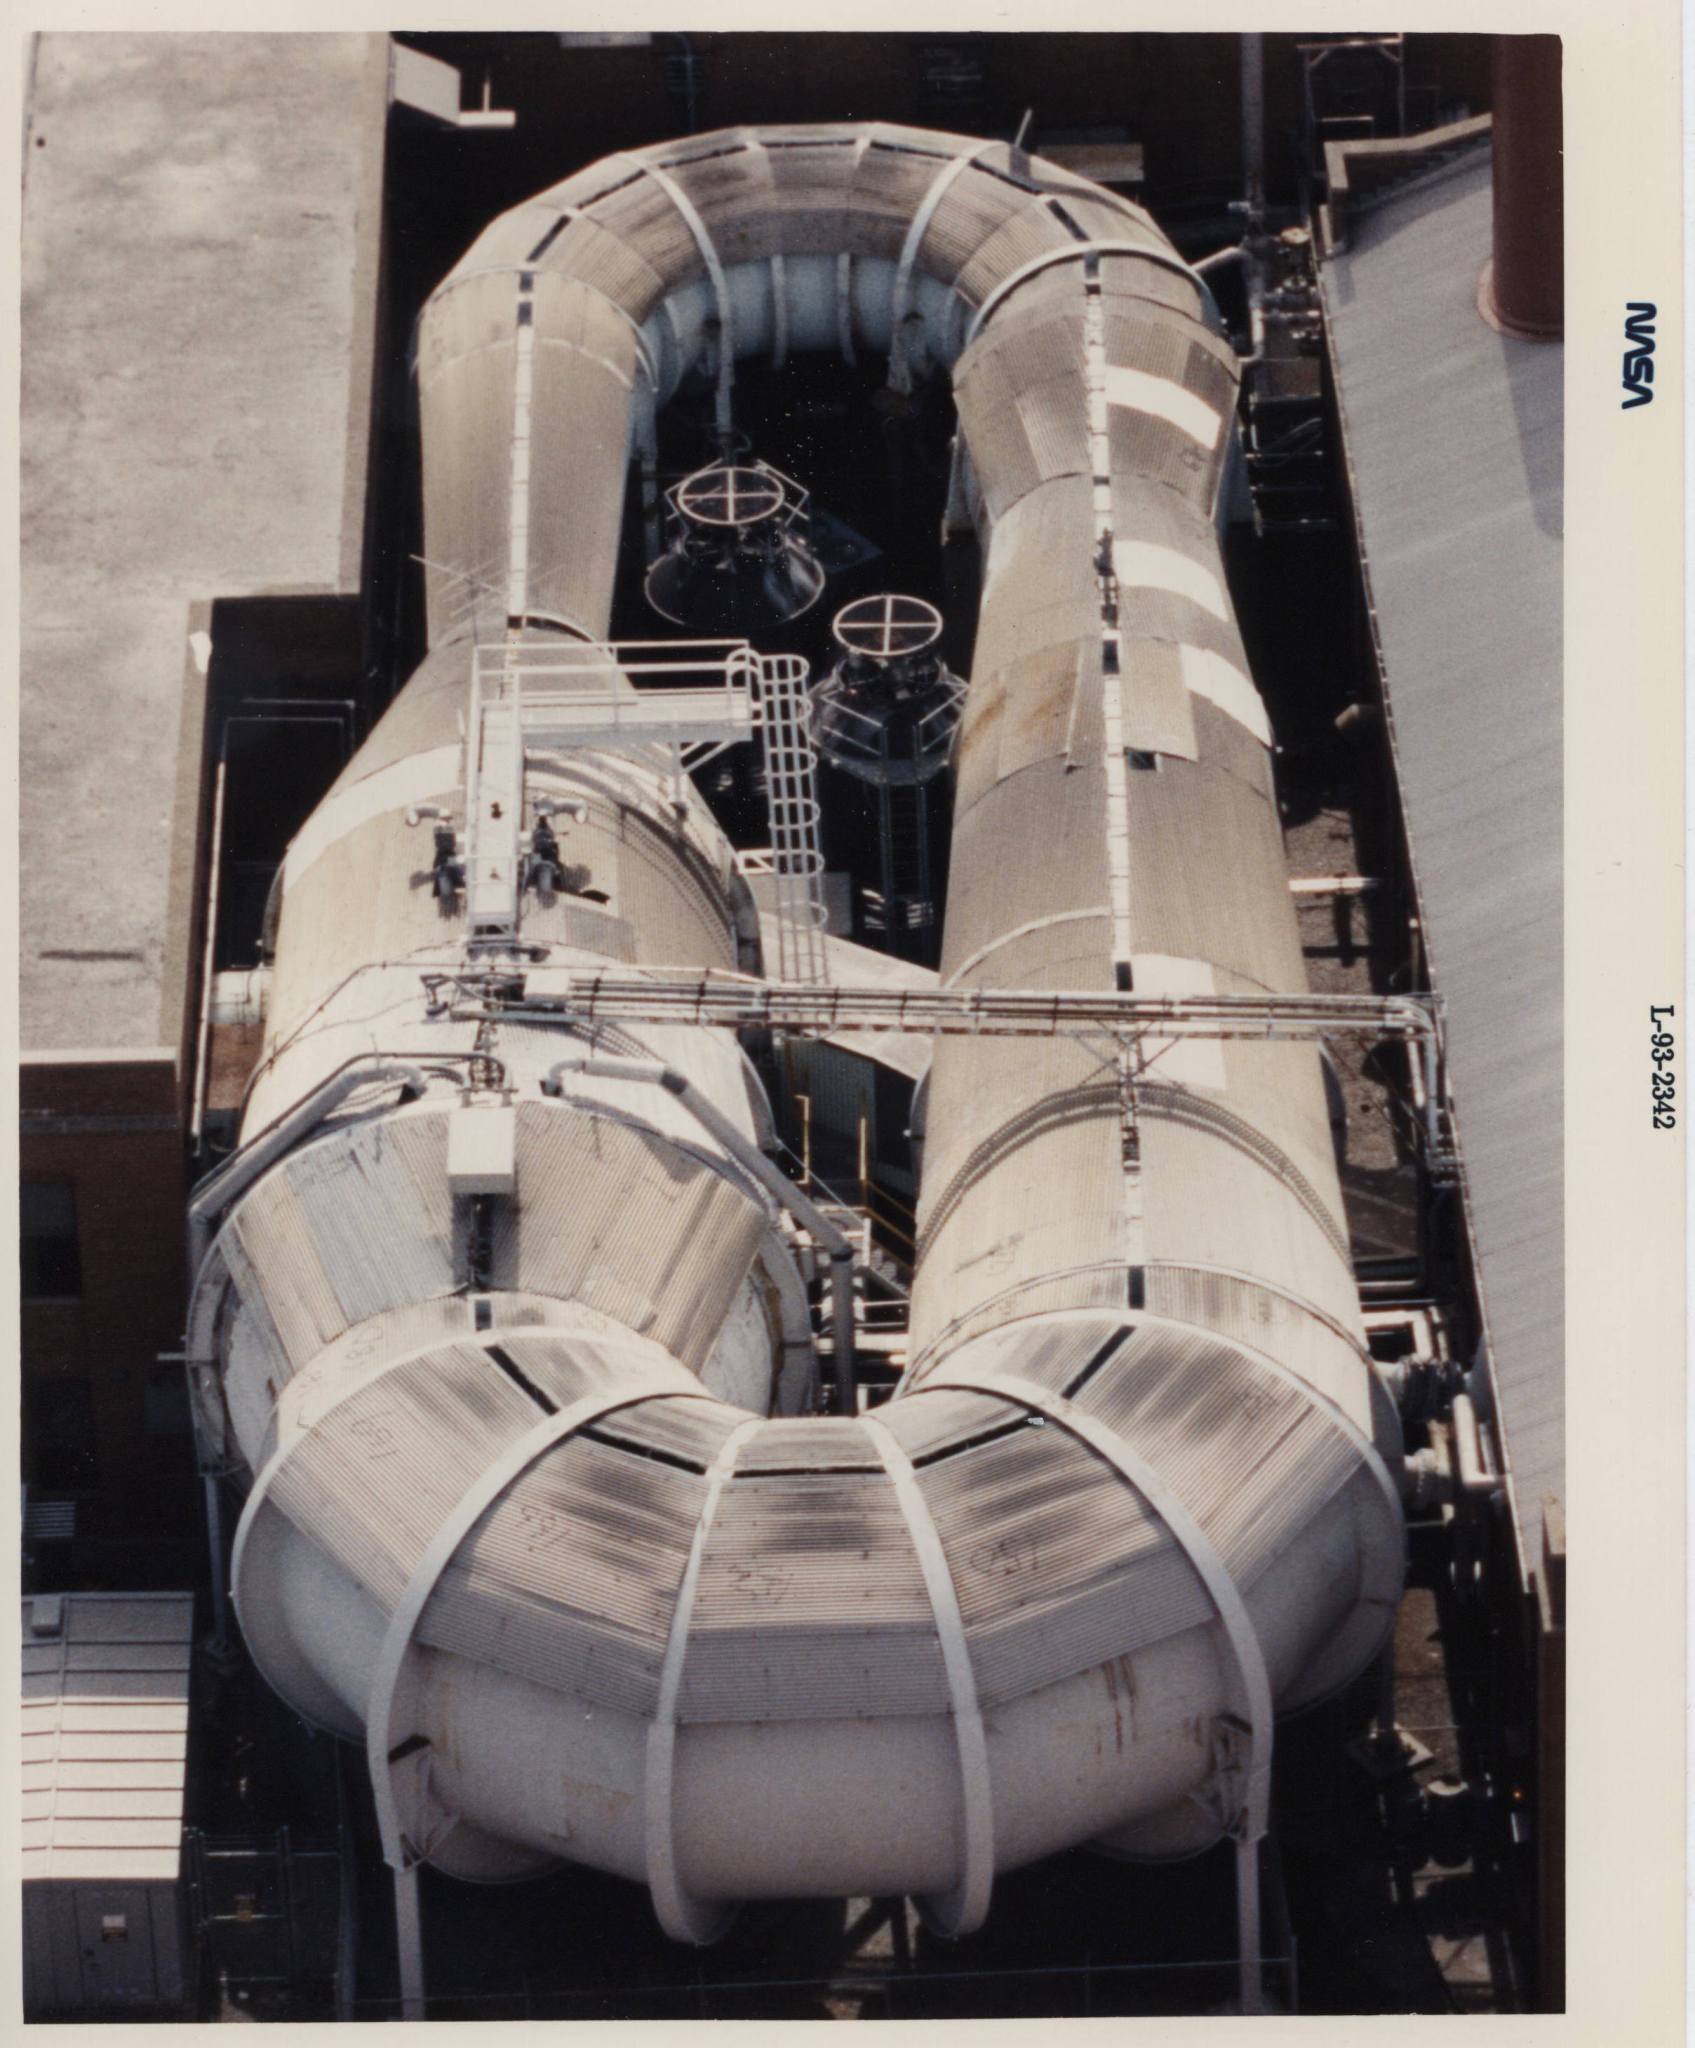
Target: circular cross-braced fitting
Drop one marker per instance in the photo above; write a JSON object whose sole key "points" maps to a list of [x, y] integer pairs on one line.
{"points": [[887, 628], [731, 496]]}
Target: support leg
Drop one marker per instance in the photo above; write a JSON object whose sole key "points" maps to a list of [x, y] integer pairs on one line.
{"points": [[222, 1649], [1251, 1988]]}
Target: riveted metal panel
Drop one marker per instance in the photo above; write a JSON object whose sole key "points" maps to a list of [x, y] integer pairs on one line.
{"points": [[789, 1624], [1057, 1562]]}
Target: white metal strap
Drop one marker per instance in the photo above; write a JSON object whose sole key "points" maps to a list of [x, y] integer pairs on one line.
{"points": [[683, 1917], [844, 306], [963, 1909], [779, 313], [1074, 252], [714, 269], [1250, 1816], [900, 369], [397, 1642]]}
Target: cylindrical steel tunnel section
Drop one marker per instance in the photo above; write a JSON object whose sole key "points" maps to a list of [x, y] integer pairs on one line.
{"points": [[500, 1528]]}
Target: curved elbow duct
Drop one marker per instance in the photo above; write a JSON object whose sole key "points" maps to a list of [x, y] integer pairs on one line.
{"points": [[516, 1376]]}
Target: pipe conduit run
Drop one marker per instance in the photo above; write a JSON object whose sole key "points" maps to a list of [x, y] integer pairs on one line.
{"points": [[518, 1381]]}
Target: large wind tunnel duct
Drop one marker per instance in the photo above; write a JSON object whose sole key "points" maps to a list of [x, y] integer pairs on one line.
{"points": [[1128, 1501]]}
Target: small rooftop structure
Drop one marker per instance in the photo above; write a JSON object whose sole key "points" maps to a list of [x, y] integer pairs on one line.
{"points": [[105, 1752]]}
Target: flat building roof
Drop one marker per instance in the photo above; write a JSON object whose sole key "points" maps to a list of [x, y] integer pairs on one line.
{"points": [[200, 232]]}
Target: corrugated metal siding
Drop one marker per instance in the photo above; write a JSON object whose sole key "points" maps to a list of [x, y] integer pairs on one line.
{"points": [[383, 1469], [569, 1580], [1155, 450], [790, 1620], [934, 1343], [1050, 1351], [942, 1418], [1157, 710], [692, 1429], [1207, 876], [1248, 1455], [1055, 413], [466, 368], [283, 1265], [581, 380], [585, 249], [1210, 1202], [1127, 281], [675, 909], [607, 1216], [1033, 847], [1027, 234], [1058, 1564], [1250, 1312]]}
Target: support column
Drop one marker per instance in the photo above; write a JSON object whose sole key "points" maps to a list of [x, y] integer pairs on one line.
{"points": [[409, 1941]]}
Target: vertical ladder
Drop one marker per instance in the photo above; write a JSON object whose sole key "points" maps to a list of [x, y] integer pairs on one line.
{"points": [[792, 800]]}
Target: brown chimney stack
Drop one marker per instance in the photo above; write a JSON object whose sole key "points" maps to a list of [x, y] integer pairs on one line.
{"points": [[1522, 290]]}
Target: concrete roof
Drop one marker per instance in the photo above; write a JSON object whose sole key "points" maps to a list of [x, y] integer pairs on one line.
{"points": [[105, 1733], [199, 240], [1455, 440]]}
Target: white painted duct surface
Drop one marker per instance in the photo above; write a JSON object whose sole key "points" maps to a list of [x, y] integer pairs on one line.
{"points": [[499, 1528]]}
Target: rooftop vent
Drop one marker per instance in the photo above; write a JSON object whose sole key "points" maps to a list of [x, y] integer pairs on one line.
{"points": [[739, 561]]}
